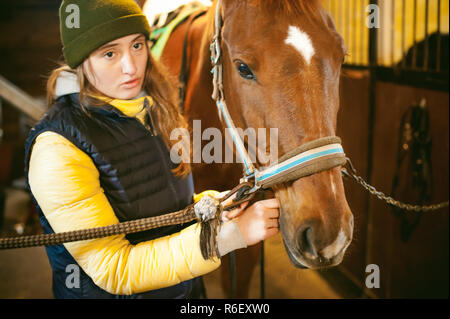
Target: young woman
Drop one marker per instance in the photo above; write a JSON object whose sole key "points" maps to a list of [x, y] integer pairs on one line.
{"points": [[100, 156]]}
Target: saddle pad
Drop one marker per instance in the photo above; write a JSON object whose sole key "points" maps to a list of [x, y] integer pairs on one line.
{"points": [[160, 35]]}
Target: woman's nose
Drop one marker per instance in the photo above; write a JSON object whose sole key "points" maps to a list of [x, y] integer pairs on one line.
{"points": [[128, 64]]}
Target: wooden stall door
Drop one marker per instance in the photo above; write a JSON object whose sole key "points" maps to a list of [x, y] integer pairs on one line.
{"points": [[419, 266]]}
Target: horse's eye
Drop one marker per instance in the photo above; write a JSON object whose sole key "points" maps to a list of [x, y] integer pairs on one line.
{"points": [[245, 71]]}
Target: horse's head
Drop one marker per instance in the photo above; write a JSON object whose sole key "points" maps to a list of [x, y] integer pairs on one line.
{"points": [[282, 62]]}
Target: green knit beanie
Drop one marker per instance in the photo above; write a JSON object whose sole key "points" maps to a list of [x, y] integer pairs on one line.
{"points": [[86, 25]]}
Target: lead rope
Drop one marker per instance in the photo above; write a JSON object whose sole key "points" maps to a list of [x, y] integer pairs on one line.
{"points": [[207, 212]]}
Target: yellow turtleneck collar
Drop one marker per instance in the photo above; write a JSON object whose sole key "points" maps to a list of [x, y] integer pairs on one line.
{"points": [[131, 108]]}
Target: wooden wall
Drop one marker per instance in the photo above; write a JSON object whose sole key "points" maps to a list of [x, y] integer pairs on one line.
{"points": [[29, 50], [29, 42], [419, 266]]}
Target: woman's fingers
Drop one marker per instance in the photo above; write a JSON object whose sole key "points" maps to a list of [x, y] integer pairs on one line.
{"points": [[259, 221], [272, 223], [272, 213], [269, 208], [236, 212], [271, 232], [270, 203]]}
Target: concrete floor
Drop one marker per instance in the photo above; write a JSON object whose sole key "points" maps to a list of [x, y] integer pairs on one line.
{"points": [[26, 273], [282, 279]]}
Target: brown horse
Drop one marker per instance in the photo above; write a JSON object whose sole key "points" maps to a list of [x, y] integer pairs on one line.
{"points": [[282, 62]]}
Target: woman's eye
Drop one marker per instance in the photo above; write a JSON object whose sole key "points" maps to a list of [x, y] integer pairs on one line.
{"points": [[109, 55], [137, 46], [245, 72]]}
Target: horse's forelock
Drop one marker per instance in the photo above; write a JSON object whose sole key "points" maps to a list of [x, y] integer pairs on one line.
{"points": [[288, 7]]}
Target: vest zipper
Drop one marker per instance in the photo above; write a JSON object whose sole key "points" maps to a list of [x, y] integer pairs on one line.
{"points": [[150, 122]]}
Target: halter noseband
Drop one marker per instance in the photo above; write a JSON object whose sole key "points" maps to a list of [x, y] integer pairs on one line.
{"points": [[311, 158]]}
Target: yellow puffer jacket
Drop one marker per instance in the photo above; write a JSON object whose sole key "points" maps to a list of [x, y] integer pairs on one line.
{"points": [[65, 183]]}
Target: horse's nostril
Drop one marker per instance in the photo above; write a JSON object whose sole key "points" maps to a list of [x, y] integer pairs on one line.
{"points": [[307, 243]]}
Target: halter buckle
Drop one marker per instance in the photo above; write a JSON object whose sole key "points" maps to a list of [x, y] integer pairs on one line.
{"points": [[251, 179]]}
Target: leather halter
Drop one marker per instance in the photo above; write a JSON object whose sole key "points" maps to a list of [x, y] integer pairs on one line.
{"points": [[311, 158]]}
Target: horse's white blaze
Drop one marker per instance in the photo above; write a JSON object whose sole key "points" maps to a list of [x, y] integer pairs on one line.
{"points": [[301, 42], [333, 186], [337, 246]]}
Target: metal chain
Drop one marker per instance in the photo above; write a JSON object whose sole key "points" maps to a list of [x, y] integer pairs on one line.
{"points": [[388, 199]]}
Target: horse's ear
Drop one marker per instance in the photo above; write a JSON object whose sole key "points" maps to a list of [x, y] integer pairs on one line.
{"points": [[328, 20]]}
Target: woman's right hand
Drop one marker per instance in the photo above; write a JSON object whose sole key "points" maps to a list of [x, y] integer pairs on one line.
{"points": [[259, 221]]}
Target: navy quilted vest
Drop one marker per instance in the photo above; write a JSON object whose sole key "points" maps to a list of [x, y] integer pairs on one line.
{"points": [[135, 174]]}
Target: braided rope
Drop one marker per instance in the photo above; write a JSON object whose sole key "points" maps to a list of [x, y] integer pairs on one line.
{"points": [[134, 226], [188, 214]]}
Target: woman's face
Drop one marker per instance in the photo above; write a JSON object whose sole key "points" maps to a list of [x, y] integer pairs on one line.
{"points": [[117, 69]]}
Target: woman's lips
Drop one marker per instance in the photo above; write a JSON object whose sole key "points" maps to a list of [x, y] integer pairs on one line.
{"points": [[131, 84]]}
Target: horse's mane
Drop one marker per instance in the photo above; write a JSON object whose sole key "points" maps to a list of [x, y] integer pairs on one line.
{"points": [[288, 7]]}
